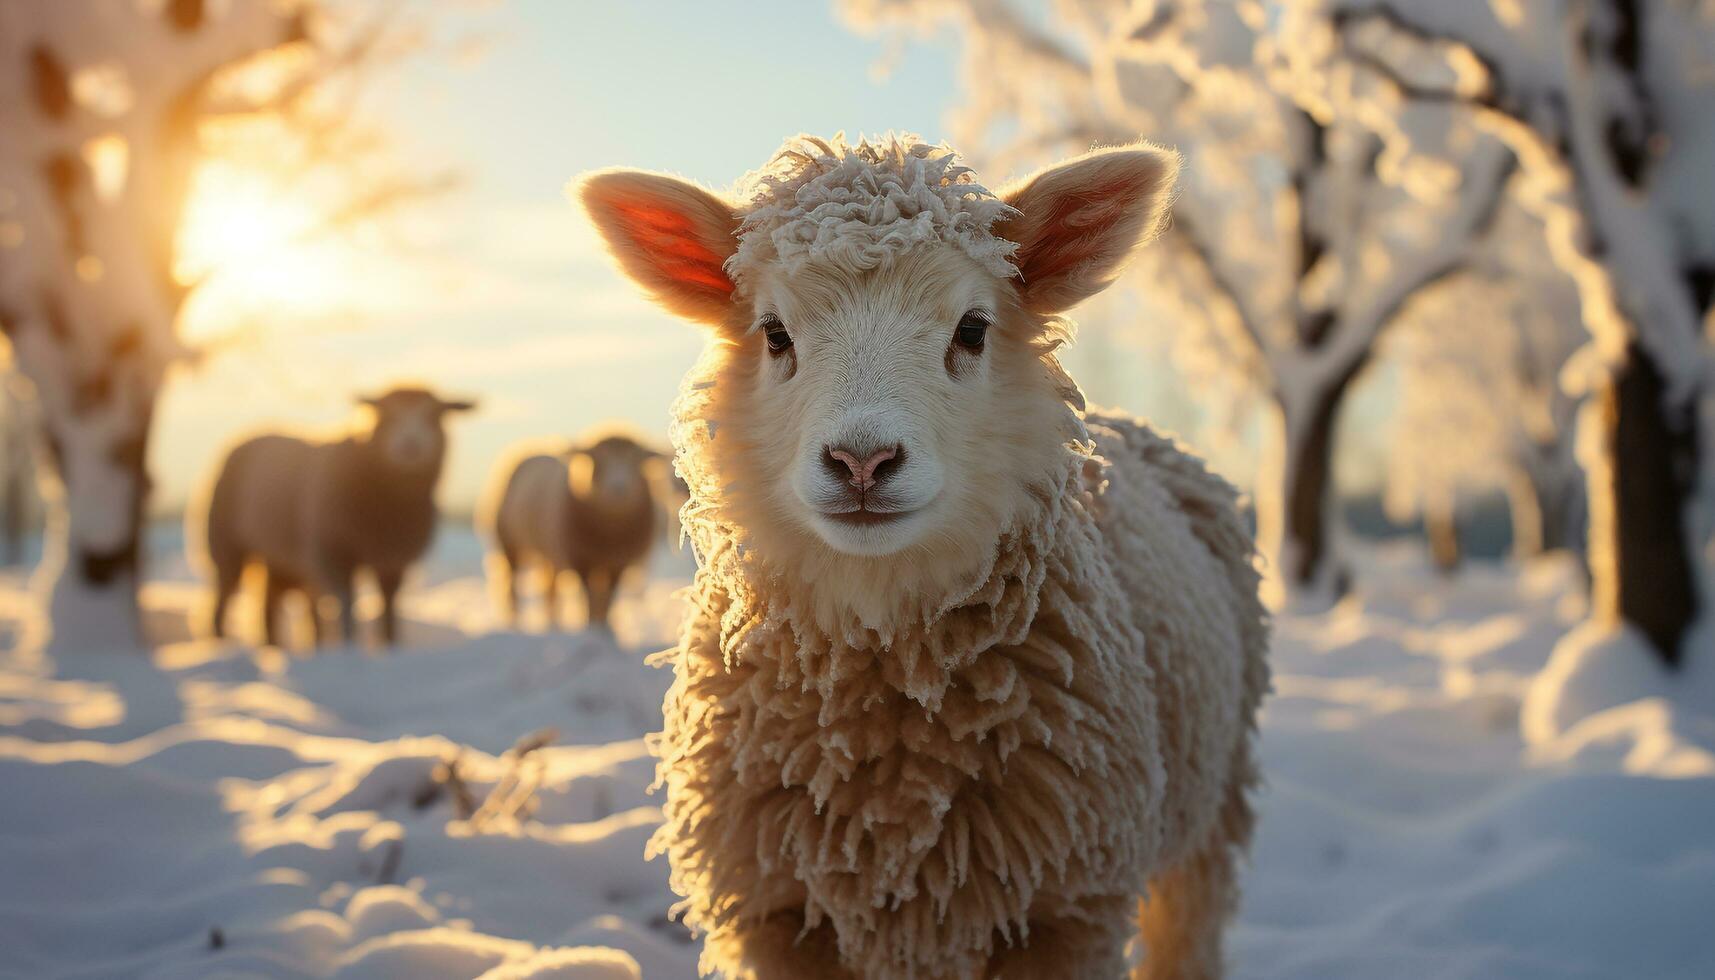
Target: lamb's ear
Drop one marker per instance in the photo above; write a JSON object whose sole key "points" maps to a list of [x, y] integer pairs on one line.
{"points": [[1079, 221], [458, 405], [670, 235]]}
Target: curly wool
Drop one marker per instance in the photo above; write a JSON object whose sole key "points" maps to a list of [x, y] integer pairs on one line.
{"points": [[1035, 745], [861, 205], [985, 782]]}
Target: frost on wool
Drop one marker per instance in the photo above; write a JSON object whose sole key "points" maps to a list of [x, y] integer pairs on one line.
{"points": [[860, 205]]}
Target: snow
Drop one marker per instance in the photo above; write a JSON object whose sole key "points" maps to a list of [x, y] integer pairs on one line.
{"points": [[218, 810], [1409, 829]]}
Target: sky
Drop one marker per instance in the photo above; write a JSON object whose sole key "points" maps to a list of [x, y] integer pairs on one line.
{"points": [[498, 289]]}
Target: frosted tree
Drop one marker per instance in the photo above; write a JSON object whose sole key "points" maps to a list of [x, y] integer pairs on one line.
{"points": [[1483, 405], [1304, 224], [1482, 409], [1607, 104], [107, 107]]}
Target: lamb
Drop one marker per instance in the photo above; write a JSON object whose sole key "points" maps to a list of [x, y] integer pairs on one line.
{"points": [[313, 514], [970, 668], [589, 511]]}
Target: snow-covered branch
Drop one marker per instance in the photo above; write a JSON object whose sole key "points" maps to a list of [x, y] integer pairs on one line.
{"points": [[1320, 193], [1368, 309]]}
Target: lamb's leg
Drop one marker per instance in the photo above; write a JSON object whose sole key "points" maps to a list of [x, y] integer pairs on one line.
{"points": [[773, 950], [1189, 904], [388, 580], [1086, 946]]}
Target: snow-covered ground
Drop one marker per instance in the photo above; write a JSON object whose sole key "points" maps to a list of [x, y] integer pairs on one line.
{"points": [[218, 811]]}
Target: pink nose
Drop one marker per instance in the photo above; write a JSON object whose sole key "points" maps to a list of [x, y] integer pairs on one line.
{"points": [[863, 472]]}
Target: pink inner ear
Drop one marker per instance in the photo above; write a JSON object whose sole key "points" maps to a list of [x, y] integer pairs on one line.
{"points": [[672, 242], [1074, 230]]}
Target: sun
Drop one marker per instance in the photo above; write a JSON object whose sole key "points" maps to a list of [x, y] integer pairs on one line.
{"points": [[230, 219], [254, 255]]}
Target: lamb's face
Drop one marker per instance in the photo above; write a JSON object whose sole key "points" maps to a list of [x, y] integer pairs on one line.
{"points": [[878, 399], [881, 383]]}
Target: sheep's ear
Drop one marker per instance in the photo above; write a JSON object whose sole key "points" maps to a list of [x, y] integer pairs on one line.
{"points": [[580, 472], [1079, 221], [459, 405], [669, 235], [369, 401]]}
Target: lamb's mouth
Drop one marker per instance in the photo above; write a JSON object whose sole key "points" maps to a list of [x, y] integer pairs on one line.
{"points": [[863, 517]]}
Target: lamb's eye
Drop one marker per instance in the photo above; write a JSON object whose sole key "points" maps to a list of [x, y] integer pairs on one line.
{"points": [[779, 341], [973, 330]]}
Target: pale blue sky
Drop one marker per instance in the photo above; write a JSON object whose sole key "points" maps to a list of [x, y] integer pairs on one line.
{"points": [[499, 290]]}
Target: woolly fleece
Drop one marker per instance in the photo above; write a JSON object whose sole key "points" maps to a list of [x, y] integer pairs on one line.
{"points": [[860, 205]]}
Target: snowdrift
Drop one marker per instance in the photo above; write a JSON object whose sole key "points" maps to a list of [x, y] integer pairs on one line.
{"points": [[215, 810]]}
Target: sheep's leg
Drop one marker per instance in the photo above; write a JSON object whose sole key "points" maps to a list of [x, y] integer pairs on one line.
{"points": [[551, 596], [347, 612], [598, 596], [1090, 944], [227, 577], [318, 629], [338, 586], [388, 581], [508, 566], [1189, 904], [273, 601]]}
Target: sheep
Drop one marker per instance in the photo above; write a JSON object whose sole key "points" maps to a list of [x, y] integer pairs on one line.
{"points": [[313, 514], [970, 668], [589, 511]]}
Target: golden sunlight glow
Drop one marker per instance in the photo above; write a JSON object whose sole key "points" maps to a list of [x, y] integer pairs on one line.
{"points": [[255, 255]]}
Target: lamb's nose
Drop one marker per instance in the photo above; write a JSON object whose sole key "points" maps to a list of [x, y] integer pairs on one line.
{"points": [[865, 471]]}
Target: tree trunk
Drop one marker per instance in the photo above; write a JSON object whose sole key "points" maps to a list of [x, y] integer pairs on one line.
{"points": [[1542, 503], [15, 496], [97, 492], [1528, 514], [1296, 500], [1441, 527], [14, 502], [1641, 483]]}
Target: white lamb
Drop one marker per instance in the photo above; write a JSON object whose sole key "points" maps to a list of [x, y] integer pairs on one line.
{"points": [[970, 669]]}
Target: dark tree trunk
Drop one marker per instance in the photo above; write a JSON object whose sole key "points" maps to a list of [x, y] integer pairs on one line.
{"points": [[1441, 527], [14, 510], [1640, 551], [1308, 560], [1558, 505]]}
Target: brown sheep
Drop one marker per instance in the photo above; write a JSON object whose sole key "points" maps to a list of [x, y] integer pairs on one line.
{"points": [[588, 511], [313, 514]]}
